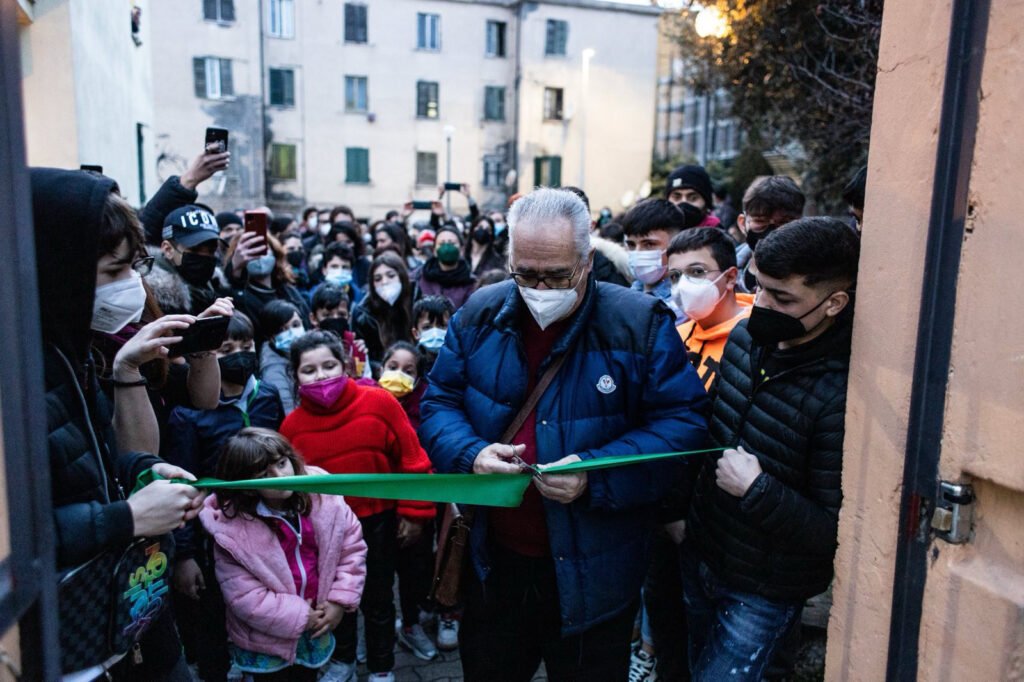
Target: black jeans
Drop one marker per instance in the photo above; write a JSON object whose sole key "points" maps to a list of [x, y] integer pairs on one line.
{"points": [[202, 623], [377, 605], [663, 599], [294, 673], [415, 567], [512, 623]]}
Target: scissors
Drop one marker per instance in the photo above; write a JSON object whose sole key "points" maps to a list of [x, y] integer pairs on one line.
{"points": [[532, 468]]}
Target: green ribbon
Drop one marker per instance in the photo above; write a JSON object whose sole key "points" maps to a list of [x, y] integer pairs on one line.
{"points": [[492, 490]]}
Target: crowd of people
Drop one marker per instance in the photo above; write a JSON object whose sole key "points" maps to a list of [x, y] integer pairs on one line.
{"points": [[501, 341]]}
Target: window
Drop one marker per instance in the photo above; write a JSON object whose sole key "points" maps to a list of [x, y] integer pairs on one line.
{"points": [[355, 93], [213, 77], [282, 87], [426, 168], [552, 104], [556, 38], [495, 38], [547, 171], [281, 19], [282, 161], [426, 99], [428, 31], [492, 171], [494, 103], [355, 23], [219, 10], [357, 165]]}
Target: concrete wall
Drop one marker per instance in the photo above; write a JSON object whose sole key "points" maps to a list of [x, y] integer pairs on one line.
{"points": [[84, 87], [972, 628], [618, 106]]}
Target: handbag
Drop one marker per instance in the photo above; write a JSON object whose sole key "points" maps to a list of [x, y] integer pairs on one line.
{"points": [[106, 604], [452, 554], [109, 602]]}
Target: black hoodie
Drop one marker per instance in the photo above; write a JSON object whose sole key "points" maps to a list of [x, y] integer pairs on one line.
{"points": [[90, 514]]}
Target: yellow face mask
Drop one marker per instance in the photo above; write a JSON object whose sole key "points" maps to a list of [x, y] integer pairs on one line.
{"points": [[397, 383]]}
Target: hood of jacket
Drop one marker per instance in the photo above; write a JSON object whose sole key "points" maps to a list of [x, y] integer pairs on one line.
{"points": [[168, 287], [67, 207], [615, 253]]}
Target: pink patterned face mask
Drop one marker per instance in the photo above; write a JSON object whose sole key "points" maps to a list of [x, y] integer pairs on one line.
{"points": [[324, 393]]}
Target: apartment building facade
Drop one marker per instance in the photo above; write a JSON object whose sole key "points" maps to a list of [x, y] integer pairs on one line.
{"points": [[360, 102]]}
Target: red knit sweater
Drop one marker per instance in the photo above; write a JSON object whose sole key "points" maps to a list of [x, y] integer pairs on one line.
{"points": [[365, 432]]}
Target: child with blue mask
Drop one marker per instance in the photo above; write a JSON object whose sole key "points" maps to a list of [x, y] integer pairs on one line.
{"points": [[281, 324], [431, 315], [336, 270]]}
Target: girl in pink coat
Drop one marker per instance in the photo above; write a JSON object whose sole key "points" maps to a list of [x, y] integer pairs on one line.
{"points": [[289, 564]]}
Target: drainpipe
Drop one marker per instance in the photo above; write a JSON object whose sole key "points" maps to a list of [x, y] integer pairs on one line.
{"points": [[957, 130], [520, 17], [263, 109]]}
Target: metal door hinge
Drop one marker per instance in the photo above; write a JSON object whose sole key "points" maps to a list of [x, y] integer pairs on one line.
{"points": [[954, 512]]}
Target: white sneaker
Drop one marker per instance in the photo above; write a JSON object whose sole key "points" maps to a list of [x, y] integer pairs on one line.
{"points": [[417, 641], [448, 634], [336, 671], [234, 674], [361, 648], [641, 667], [382, 677]]}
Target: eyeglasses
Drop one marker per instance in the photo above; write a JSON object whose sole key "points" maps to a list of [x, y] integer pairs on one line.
{"points": [[694, 274], [143, 266], [532, 281]]}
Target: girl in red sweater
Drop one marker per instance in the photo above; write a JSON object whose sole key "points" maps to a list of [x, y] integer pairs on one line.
{"points": [[346, 428]]}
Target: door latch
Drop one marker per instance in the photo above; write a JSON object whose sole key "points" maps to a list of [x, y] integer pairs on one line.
{"points": [[954, 512]]}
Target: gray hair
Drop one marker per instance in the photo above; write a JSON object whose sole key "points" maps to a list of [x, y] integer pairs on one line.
{"points": [[544, 205]]}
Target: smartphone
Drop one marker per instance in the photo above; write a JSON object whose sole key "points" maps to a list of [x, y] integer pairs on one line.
{"points": [[91, 168], [216, 140], [256, 221], [456, 186], [421, 205], [204, 335]]}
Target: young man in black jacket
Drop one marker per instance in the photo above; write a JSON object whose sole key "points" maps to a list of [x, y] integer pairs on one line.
{"points": [[761, 531]]}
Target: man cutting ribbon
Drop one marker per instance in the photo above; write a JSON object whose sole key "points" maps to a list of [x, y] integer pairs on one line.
{"points": [[569, 369]]}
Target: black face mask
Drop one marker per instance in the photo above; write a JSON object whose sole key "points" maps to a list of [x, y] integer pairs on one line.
{"points": [[754, 237], [338, 325], [769, 327], [295, 258], [197, 269], [238, 367], [482, 236]]}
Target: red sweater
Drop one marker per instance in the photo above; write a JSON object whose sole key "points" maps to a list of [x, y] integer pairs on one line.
{"points": [[365, 432], [525, 530]]}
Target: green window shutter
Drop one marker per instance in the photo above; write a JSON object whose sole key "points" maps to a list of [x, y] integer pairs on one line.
{"points": [[227, 10], [199, 74], [210, 9], [227, 85], [276, 86], [556, 171]]}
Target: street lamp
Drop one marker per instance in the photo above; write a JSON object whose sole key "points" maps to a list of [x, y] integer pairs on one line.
{"points": [[588, 54], [710, 22], [449, 132]]}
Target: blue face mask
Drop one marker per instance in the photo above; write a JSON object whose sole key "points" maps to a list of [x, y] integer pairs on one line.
{"points": [[499, 228], [262, 266], [339, 278], [432, 339], [283, 341]]}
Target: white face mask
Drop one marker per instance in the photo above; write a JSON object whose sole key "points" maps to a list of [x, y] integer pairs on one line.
{"points": [[324, 228], [697, 299], [118, 304], [432, 339], [548, 305], [390, 292], [647, 265]]}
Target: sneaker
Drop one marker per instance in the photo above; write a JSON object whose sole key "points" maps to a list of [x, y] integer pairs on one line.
{"points": [[336, 671], [234, 674], [361, 649], [382, 677], [448, 634], [415, 639], [641, 667]]}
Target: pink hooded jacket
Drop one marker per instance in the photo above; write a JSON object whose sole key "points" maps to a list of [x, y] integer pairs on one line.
{"points": [[264, 613]]}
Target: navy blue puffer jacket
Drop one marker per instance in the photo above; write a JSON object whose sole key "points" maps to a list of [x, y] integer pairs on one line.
{"points": [[652, 401]]}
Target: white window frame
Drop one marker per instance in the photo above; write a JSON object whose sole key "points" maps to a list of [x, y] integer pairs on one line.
{"points": [[431, 35], [281, 18], [356, 80]]}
